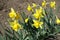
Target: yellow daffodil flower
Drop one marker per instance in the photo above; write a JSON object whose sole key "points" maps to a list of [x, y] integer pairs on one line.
{"points": [[12, 14], [37, 24], [44, 3], [52, 4], [38, 13], [29, 8], [26, 20], [34, 5], [57, 20], [15, 26]]}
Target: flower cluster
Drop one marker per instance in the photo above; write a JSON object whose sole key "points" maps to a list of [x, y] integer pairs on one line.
{"points": [[14, 17], [41, 23]]}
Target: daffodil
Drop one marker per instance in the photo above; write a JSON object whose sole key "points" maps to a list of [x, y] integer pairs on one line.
{"points": [[34, 5], [29, 8], [26, 20], [12, 14], [37, 24], [57, 20], [38, 13], [52, 4], [15, 26], [44, 3]]}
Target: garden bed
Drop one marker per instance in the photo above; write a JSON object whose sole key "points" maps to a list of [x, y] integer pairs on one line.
{"points": [[19, 6]]}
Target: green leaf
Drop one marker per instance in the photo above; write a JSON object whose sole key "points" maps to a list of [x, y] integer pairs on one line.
{"points": [[1, 38]]}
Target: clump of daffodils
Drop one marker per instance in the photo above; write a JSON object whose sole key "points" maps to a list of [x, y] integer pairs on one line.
{"points": [[14, 20], [38, 14], [40, 23]]}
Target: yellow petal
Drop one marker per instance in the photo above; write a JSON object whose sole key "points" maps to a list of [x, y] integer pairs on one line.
{"points": [[34, 5], [40, 9]]}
